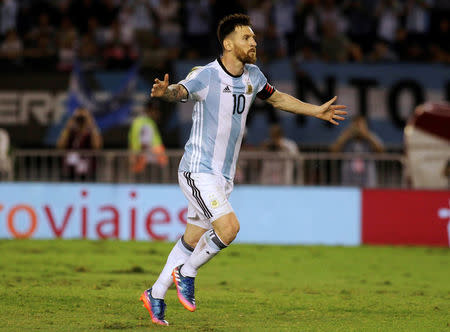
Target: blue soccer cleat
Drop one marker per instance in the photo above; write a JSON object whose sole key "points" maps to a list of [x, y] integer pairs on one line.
{"points": [[156, 307], [185, 288]]}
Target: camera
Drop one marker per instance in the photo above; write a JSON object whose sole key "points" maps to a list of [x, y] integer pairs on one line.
{"points": [[80, 120]]}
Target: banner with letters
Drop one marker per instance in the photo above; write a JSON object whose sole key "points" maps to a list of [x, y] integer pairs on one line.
{"points": [[35, 106], [158, 212], [299, 215], [31, 103]]}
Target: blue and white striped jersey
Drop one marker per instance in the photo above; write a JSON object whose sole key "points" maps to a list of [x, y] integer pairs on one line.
{"points": [[222, 101]]}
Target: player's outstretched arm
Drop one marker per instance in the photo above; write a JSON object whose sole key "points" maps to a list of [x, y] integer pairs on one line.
{"points": [[170, 93], [326, 111]]}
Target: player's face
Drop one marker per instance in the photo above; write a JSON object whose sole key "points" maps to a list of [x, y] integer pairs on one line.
{"points": [[244, 44]]}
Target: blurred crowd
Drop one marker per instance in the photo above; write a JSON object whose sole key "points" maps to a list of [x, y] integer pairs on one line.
{"points": [[113, 34]]}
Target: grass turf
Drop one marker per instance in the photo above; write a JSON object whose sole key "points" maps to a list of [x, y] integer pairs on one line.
{"points": [[63, 285]]}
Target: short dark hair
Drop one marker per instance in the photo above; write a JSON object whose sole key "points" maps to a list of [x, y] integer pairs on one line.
{"points": [[229, 23]]}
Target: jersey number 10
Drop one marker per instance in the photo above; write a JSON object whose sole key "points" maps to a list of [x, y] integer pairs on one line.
{"points": [[239, 103]]}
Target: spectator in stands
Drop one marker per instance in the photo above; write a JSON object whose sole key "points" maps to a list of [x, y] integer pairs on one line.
{"points": [[401, 44], [81, 11], [80, 133], [126, 24], [98, 35], [440, 46], [67, 43], [87, 53], [388, 13], [62, 7], [308, 28], [283, 12], [41, 51], [416, 51], [144, 17], [167, 14], [43, 29], [198, 28], [25, 20], [329, 12], [382, 30], [43, 55], [145, 30], [118, 53], [144, 139], [418, 16], [276, 171], [259, 12], [11, 49], [360, 24], [8, 16], [336, 47], [273, 45], [109, 13], [357, 139], [382, 53]]}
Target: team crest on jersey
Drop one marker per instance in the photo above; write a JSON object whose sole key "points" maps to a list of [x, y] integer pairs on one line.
{"points": [[249, 89], [214, 201]]}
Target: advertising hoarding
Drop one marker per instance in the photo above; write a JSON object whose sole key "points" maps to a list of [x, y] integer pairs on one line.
{"points": [[406, 217], [277, 215]]}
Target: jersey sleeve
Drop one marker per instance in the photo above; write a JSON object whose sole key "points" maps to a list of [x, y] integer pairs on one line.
{"points": [[196, 83], [264, 88]]}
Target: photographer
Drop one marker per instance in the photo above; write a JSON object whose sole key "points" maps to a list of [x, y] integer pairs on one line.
{"points": [[80, 133], [279, 171], [358, 139]]}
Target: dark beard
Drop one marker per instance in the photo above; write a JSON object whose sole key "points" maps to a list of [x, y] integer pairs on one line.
{"points": [[246, 57]]}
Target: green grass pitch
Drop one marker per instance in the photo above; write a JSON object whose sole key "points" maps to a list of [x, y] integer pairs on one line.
{"points": [[76, 285]]}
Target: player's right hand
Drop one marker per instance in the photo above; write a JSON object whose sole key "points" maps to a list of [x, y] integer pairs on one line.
{"points": [[160, 87]]}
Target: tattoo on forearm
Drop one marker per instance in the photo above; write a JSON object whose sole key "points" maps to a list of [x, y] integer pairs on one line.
{"points": [[174, 93]]}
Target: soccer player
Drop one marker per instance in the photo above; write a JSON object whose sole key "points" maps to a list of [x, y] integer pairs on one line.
{"points": [[223, 91]]}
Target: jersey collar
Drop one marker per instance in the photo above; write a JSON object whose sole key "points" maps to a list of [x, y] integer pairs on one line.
{"points": [[226, 71]]}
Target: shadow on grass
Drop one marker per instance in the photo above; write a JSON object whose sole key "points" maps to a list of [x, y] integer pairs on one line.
{"points": [[116, 326], [133, 269]]}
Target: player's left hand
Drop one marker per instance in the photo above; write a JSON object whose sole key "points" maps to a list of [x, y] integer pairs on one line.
{"points": [[331, 113]]}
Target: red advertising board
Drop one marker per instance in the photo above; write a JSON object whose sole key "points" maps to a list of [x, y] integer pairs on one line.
{"points": [[406, 217]]}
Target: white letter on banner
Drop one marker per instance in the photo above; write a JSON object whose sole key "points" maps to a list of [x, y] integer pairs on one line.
{"points": [[8, 107], [39, 104]]}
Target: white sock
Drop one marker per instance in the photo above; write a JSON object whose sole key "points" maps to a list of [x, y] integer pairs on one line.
{"points": [[207, 247], [179, 255]]}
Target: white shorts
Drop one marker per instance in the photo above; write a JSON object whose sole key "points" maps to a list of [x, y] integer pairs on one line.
{"points": [[207, 195]]}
